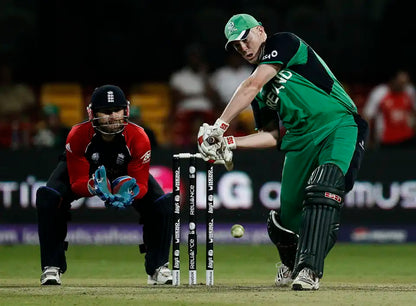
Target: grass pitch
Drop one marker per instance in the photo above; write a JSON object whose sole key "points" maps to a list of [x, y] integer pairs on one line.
{"points": [[244, 275]]}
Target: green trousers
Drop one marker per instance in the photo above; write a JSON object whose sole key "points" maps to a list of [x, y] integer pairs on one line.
{"points": [[338, 148]]}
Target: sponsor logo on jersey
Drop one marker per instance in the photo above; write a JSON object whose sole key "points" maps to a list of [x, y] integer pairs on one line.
{"points": [[95, 156], [68, 147], [110, 96], [120, 159], [272, 54], [146, 157]]}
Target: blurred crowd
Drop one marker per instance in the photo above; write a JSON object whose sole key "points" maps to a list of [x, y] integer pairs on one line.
{"points": [[196, 94]]}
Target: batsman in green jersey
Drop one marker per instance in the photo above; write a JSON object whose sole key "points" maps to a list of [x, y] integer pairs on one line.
{"points": [[323, 143]]}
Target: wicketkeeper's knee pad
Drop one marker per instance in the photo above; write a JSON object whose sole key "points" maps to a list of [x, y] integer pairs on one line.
{"points": [[47, 198], [320, 217], [285, 240]]}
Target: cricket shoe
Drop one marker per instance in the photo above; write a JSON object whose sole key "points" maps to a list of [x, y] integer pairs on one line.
{"points": [[50, 276], [162, 276], [283, 276], [306, 280]]}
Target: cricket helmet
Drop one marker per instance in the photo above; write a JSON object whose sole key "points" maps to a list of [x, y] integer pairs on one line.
{"points": [[106, 99]]}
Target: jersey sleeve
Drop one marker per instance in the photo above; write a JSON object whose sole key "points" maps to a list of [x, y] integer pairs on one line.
{"points": [[281, 48], [139, 165], [78, 166]]}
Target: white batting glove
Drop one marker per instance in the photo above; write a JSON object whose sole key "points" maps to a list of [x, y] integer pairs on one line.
{"points": [[219, 128], [207, 145], [227, 144], [221, 158], [222, 154], [211, 134]]}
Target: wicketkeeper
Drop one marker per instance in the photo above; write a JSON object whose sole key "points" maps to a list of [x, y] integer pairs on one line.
{"points": [[108, 157], [324, 142]]}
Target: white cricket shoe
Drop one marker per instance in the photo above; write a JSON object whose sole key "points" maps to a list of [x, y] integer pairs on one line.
{"points": [[50, 276], [162, 276], [306, 280], [283, 276]]}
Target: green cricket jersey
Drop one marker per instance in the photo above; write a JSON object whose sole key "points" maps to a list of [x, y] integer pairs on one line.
{"points": [[308, 98]]}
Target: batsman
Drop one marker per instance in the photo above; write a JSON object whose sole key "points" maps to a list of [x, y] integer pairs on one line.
{"points": [[106, 156], [293, 90]]}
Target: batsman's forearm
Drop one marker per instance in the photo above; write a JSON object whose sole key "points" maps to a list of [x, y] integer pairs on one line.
{"points": [[242, 98], [248, 90], [261, 140]]}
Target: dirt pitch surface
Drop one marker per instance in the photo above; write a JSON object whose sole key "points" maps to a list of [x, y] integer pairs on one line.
{"points": [[244, 275]]}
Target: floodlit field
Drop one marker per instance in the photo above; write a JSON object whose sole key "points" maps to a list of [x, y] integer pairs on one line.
{"points": [[244, 274]]}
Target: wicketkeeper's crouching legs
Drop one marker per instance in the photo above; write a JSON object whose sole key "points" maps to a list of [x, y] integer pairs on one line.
{"points": [[156, 215], [53, 215], [53, 205], [320, 218]]}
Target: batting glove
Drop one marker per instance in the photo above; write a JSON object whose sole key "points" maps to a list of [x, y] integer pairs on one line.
{"points": [[227, 144], [221, 152], [209, 138], [215, 131]]}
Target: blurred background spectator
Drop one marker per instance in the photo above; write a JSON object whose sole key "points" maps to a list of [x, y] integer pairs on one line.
{"points": [[49, 130], [136, 117], [56, 42], [17, 100], [17, 109], [391, 110], [193, 97], [225, 80]]}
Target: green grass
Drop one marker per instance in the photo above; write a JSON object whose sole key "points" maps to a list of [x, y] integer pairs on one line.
{"points": [[244, 274]]}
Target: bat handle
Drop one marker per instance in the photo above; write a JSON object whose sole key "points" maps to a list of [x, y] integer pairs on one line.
{"points": [[211, 140]]}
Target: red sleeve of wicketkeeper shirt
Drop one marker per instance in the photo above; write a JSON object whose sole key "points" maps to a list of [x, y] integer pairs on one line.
{"points": [[139, 145], [78, 166]]}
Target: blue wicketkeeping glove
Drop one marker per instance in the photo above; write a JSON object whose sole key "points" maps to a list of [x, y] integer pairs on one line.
{"points": [[125, 189], [100, 186]]}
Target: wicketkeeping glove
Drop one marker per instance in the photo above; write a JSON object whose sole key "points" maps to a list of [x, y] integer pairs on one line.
{"points": [[125, 189], [99, 185]]}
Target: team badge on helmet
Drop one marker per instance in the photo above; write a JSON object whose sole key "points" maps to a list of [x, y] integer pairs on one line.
{"points": [[231, 28]]}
